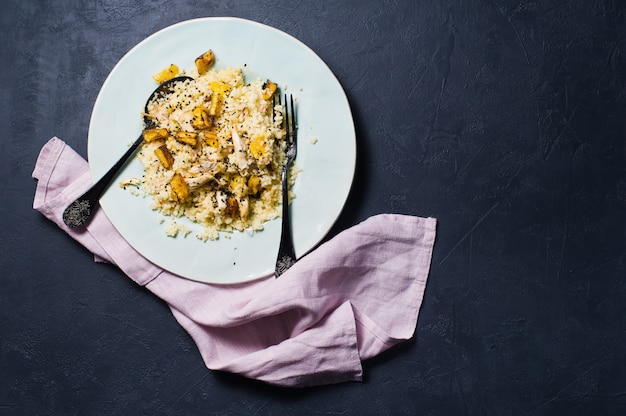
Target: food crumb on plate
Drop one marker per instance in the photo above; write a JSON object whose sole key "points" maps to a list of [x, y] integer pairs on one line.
{"points": [[174, 228]]}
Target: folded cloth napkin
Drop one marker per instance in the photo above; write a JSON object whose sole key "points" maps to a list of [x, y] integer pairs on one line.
{"points": [[348, 300]]}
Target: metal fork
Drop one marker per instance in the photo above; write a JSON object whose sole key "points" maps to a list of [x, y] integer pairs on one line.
{"points": [[286, 252]]}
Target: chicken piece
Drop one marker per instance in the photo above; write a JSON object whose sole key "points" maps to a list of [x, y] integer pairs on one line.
{"points": [[220, 201], [204, 167], [130, 182], [187, 137], [158, 113], [202, 173], [180, 190], [269, 88], [150, 135], [166, 74], [243, 206], [204, 61], [196, 182], [165, 156], [239, 150], [201, 118]]}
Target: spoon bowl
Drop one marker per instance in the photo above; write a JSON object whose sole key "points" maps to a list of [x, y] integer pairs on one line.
{"points": [[79, 212]]}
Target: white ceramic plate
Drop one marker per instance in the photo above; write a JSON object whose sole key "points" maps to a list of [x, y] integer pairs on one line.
{"points": [[263, 52]]}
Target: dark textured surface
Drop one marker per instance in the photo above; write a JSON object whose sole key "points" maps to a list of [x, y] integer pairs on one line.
{"points": [[506, 120]]}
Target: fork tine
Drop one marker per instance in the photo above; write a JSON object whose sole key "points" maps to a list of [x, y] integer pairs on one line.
{"points": [[295, 129], [287, 114], [293, 119], [275, 101], [290, 119], [274, 108]]}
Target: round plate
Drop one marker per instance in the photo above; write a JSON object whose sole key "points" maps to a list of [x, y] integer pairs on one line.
{"points": [[262, 52]]}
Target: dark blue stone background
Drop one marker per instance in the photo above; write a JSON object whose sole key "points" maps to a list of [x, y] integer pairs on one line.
{"points": [[506, 120]]}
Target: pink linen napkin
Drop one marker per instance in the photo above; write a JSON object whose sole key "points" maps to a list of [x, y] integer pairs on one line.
{"points": [[350, 299]]}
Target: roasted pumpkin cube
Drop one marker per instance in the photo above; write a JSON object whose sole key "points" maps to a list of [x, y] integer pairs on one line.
{"points": [[254, 184], [269, 88], [187, 137], [258, 146], [180, 190], [166, 74], [150, 135], [212, 139], [219, 87], [237, 185], [232, 206], [204, 61], [215, 100], [165, 156], [201, 118]]}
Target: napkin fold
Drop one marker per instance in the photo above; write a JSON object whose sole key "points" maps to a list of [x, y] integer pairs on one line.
{"points": [[350, 299]]}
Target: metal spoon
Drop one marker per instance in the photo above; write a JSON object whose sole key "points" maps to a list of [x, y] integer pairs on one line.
{"points": [[80, 211]]}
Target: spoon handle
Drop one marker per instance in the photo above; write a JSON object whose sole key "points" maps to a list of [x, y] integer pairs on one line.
{"points": [[99, 187], [80, 211]]}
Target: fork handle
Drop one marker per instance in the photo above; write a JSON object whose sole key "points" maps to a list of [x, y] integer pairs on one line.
{"points": [[286, 252]]}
